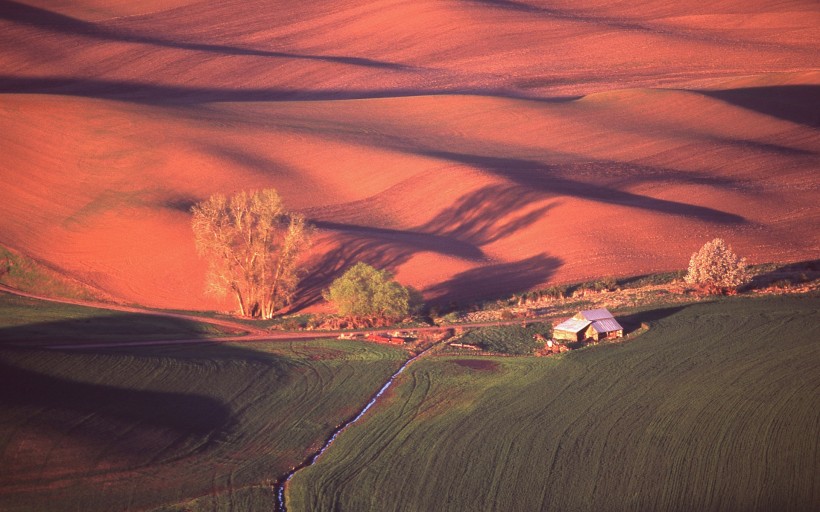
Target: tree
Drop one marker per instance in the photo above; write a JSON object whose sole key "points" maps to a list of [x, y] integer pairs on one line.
{"points": [[368, 294], [716, 268], [253, 246]]}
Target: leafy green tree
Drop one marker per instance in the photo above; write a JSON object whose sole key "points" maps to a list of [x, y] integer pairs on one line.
{"points": [[253, 246], [366, 293], [715, 267]]}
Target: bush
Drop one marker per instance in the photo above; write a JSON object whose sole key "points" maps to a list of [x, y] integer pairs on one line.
{"points": [[364, 292], [716, 268], [607, 283], [555, 292]]}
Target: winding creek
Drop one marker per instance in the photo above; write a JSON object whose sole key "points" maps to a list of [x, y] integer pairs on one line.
{"points": [[280, 485]]}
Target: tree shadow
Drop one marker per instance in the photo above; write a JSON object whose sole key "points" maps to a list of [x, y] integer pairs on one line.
{"points": [[409, 240], [488, 215], [795, 103], [549, 179], [350, 249], [476, 219], [495, 281], [51, 21], [179, 204]]}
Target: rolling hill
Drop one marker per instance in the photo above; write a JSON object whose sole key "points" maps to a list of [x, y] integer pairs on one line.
{"points": [[474, 147]]}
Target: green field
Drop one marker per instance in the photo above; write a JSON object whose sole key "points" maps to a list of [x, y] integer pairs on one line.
{"points": [[25, 321], [508, 339], [716, 407], [199, 427]]}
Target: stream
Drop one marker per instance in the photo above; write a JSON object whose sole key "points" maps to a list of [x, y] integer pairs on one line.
{"points": [[280, 485]]}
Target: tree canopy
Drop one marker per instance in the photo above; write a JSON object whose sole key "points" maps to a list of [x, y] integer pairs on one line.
{"points": [[252, 246], [716, 267], [364, 292]]}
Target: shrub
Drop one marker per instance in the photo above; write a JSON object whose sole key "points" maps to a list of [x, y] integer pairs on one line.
{"points": [[607, 283], [556, 292], [364, 292], [716, 268]]}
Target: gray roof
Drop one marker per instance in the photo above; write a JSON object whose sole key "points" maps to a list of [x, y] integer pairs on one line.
{"points": [[606, 325], [572, 325], [595, 314]]}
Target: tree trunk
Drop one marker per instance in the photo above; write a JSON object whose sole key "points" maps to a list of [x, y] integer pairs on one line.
{"points": [[241, 302]]}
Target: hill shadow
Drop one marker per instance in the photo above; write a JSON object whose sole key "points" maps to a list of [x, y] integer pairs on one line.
{"points": [[51, 21], [795, 103], [621, 23], [59, 392], [633, 322], [165, 95], [104, 329], [786, 275]]}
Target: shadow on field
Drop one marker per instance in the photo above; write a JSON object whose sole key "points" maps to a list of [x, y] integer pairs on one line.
{"points": [[183, 413], [534, 175], [495, 281], [146, 403], [51, 21], [459, 231], [106, 328], [158, 94], [633, 322], [786, 275], [796, 103]]}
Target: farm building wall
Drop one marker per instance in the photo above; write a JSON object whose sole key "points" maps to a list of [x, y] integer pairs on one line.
{"points": [[565, 335]]}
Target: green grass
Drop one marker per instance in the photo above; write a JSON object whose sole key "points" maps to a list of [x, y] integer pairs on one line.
{"points": [[200, 427], [23, 273], [36, 322], [507, 339], [714, 408]]}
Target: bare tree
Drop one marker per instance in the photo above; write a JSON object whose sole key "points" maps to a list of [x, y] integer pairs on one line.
{"points": [[252, 245], [715, 267]]}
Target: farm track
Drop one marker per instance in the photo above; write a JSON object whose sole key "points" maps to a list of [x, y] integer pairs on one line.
{"points": [[251, 334]]}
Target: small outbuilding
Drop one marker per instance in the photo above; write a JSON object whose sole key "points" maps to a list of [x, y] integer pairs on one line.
{"points": [[571, 330], [596, 324]]}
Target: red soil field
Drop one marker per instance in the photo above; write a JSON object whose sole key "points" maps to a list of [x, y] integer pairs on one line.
{"points": [[476, 148]]}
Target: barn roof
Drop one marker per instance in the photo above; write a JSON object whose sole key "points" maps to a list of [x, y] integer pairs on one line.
{"points": [[606, 325], [572, 325], [595, 314]]}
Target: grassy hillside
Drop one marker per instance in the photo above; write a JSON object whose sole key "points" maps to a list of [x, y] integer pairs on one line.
{"points": [[18, 271], [715, 408], [205, 427], [36, 322]]}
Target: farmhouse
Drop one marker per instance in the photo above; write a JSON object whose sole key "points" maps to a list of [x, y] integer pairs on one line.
{"points": [[596, 324]]}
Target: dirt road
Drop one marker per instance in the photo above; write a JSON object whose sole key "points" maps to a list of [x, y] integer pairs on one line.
{"points": [[245, 333]]}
